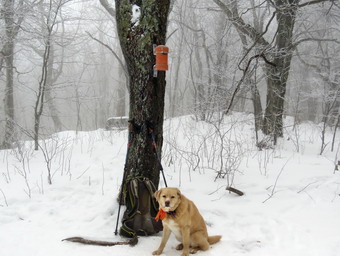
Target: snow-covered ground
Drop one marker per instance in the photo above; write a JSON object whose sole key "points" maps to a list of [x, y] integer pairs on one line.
{"points": [[291, 204]]}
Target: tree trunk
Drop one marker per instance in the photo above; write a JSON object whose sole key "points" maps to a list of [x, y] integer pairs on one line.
{"points": [[39, 103], [146, 92], [277, 76], [312, 107], [273, 122], [256, 99], [197, 78], [49, 95], [8, 55], [9, 96], [175, 93]]}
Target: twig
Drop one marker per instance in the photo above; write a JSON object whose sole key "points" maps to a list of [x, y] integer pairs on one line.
{"points": [[3, 194], [277, 179], [83, 172], [215, 191], [307, 186]]}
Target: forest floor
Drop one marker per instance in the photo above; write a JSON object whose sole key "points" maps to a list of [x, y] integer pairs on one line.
{"points": [[291, 204]]}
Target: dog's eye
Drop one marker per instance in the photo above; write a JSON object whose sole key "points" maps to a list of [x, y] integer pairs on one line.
{"points": [[164, 196], [172, 197]]}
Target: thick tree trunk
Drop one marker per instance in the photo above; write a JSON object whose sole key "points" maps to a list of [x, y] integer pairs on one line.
{"points": [[277, 76], [146, 91], [273, 118]]}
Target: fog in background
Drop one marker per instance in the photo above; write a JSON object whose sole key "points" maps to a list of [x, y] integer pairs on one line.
{"points": [[85, 77]]}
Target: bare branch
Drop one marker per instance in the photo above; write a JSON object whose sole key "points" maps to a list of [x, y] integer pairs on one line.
{"points": [[173, 32], [315, 40], [276, 181], [5, 199], [108, 8], [314, 2], [113, 52], [243, 77], [240, 24]]}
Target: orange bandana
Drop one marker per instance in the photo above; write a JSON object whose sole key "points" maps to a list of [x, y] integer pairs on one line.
{"points": [[160, 215]]}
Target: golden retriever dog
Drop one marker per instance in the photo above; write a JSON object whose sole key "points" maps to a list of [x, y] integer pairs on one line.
{"points": [[181, 217]]}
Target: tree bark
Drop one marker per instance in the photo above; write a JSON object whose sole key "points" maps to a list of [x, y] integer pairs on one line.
{"points": [[256, 99], [8, 56], [146, 92], [277, 75], [9, 96]]}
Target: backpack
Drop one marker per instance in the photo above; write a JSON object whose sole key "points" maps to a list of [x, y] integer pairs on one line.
{"points": [[141, 208]]}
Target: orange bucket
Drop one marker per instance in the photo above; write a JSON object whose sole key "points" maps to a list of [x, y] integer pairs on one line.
{"points": [[161, 52]]}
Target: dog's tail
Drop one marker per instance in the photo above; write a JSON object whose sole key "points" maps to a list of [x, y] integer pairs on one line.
{"points": [[214, 239]]}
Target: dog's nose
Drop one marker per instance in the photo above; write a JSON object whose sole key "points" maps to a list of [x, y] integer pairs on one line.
{"points": [[167, 203]]}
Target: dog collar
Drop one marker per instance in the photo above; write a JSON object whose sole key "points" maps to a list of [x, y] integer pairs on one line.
{"points": [[162, 214], [172, 213]]}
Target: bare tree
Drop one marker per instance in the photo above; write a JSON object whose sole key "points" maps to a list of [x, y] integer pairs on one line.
{"points": [[50, 12], [13, 14], [277, 54], [324, 61]]}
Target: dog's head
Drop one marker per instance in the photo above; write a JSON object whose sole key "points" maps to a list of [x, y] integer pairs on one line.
{"points": [[168, 198]]}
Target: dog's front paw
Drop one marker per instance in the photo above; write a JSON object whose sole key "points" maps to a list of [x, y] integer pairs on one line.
{"points": [[157, 252], [185, 254]]}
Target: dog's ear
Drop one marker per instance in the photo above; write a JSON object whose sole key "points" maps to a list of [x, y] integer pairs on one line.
{"points": [[179, 193], [157, 194]]}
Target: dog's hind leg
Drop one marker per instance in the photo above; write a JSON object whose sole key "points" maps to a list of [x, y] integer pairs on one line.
{"points": [[199, 241]]}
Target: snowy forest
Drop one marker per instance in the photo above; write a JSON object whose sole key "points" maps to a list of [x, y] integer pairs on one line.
{"points": [[251, 101], [62, 67]]}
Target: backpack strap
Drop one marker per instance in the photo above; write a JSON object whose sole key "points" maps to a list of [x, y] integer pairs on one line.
{"points": [[132, 196], [152, 189], [126, 231], [131, 201]]}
